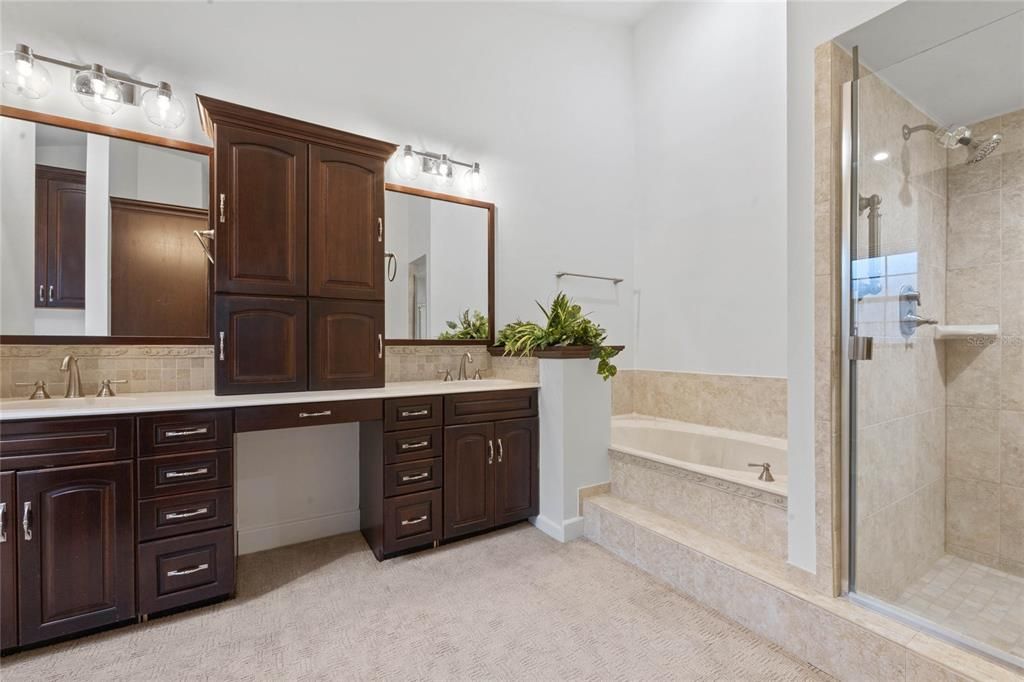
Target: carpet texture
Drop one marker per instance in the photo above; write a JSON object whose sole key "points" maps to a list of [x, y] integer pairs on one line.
{"points": [[510, 605]]}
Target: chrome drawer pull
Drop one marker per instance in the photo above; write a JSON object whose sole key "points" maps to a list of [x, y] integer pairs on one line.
{"points": [[3, 522], [26, 521], [490, 451], [410, 522], [187, 515], [501, 451], [415, 413], [325, 413], [194, 472], [187, 571], [417, 477], [419, 444], [221, 335], [380, 346], [189, 432]]}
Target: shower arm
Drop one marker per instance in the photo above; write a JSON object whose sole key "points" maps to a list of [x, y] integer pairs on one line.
{"points": [[908, 131]]}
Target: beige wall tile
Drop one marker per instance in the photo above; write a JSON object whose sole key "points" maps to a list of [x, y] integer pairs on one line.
{"points": [[972, 295], [973, 443], [1011, 448], [974, 230], [1011, 523], [1012, 313], [1012, 216], [972, 515], [1012, 373], [973, 374], [1013, 168]]}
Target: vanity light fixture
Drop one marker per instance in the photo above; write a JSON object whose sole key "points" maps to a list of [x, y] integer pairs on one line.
{"points": [[23, 75], [97, 88], [409, 163]]}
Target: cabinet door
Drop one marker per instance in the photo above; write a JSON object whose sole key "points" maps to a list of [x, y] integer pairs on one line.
{"points": [[468, 479], [76, 566], [261, 232], [516, 488], [260, 344], [8, 563], [346, 225], [346, 344], [60, 238]]}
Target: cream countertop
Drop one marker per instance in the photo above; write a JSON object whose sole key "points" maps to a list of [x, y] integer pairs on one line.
{"points": [[134, 403]]}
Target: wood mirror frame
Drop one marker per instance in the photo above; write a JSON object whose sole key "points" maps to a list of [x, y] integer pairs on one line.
{"points": [[134, 136], [489, 207]]}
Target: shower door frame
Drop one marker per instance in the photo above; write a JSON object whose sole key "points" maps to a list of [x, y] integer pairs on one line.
{"points": [[848, 393]]}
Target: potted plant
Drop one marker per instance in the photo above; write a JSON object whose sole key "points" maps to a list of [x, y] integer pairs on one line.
{"points": [[566, 326], [468, 326]]}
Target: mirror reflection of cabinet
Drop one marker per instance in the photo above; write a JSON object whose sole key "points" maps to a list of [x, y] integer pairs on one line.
{"points": [[60, 237]]}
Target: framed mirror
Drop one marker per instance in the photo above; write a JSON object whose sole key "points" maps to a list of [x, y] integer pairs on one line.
{"points": [[104, 234], [439, 286]]}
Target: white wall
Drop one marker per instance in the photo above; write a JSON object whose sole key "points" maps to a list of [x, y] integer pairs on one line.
{"points": [[165, 176], [17, 225], [808, 24], [458, 262], [710, 86]]}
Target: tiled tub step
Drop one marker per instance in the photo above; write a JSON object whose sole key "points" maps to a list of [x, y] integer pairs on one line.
{"points": [[833, 634]]}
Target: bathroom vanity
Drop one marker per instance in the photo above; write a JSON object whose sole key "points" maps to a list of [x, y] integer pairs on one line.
{"points": [[120, 508]]}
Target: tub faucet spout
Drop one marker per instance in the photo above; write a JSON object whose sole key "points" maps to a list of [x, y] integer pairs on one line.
{"points": [[766, 472]]}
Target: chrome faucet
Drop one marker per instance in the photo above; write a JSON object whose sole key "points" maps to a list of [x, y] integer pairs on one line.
{"points": [[466, 357], [766, 472], [70, 365]]}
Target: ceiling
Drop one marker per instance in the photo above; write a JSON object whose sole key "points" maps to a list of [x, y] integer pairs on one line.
{"points": [[959, 62], [616, 13]]}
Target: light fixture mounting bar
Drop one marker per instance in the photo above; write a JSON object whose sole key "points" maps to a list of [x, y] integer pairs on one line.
{"points": [[437, 157], [116, 75]]}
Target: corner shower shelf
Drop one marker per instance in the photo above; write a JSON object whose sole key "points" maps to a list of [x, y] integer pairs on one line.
{"points": [[963, 331]]}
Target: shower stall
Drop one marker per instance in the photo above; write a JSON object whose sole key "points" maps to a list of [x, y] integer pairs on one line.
{"points": [[932, 323]]}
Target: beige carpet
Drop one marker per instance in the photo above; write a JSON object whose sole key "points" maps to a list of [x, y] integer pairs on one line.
{"points": [[510, 605]]}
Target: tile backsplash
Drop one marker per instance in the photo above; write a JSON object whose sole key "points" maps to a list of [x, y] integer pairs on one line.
{"points": [[186, 368]]}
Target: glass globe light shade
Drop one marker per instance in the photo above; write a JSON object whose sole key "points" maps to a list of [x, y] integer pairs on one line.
{"points": [[445, 174], [407, 163], [23, 75], [162, 108], [97, 91], [474, 179]]}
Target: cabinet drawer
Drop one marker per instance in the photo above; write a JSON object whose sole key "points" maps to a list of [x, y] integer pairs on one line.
{"points": [[486, 406], [412, 521], [412, 413], [61, 442], [407, 446], [306, 414], [173, 474], [412, 477], [187, 569], [164, 434], [164, 517]]}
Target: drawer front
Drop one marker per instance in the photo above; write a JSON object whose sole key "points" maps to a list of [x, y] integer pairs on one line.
{"points": [[412, 477], [60, 442], [165, 517], [187, 569], [487, 406], [172, 474], [165, 434], [408, 446], [306, 414], [412, 521], [412, 413]]}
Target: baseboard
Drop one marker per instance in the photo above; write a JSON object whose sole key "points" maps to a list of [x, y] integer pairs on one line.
{"points": [[282, 534], [564, 532]]}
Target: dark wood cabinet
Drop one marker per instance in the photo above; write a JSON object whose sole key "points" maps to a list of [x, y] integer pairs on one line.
{"points": [[8, 563], [261, 230], [346, 224], [468, 479], [75, 550], [346, 344], [260, 344], [515, 478], [60, 238]]}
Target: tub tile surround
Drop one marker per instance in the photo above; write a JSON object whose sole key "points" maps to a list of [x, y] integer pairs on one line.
{"points": [[190, 368], [766, 596], [741, 403], [985, 397]]}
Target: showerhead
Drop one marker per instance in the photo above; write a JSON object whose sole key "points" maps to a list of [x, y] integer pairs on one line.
{"points": [[959, 136], [979, 149]]}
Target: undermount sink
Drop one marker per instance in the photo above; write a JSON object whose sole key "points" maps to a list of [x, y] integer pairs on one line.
{"points": [[60, 403]]}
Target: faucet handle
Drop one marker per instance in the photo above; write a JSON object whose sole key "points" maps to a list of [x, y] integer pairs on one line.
{"points": [[766, 471], [40, 389], [106, 390], [479, 374], [447, 375]]}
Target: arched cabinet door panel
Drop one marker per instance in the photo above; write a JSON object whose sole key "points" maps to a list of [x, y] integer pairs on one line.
{"points": [[515, 480], [260, 213], [468, 479], [259, 344], [346, 225], [346, 344], [76, 549]]}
